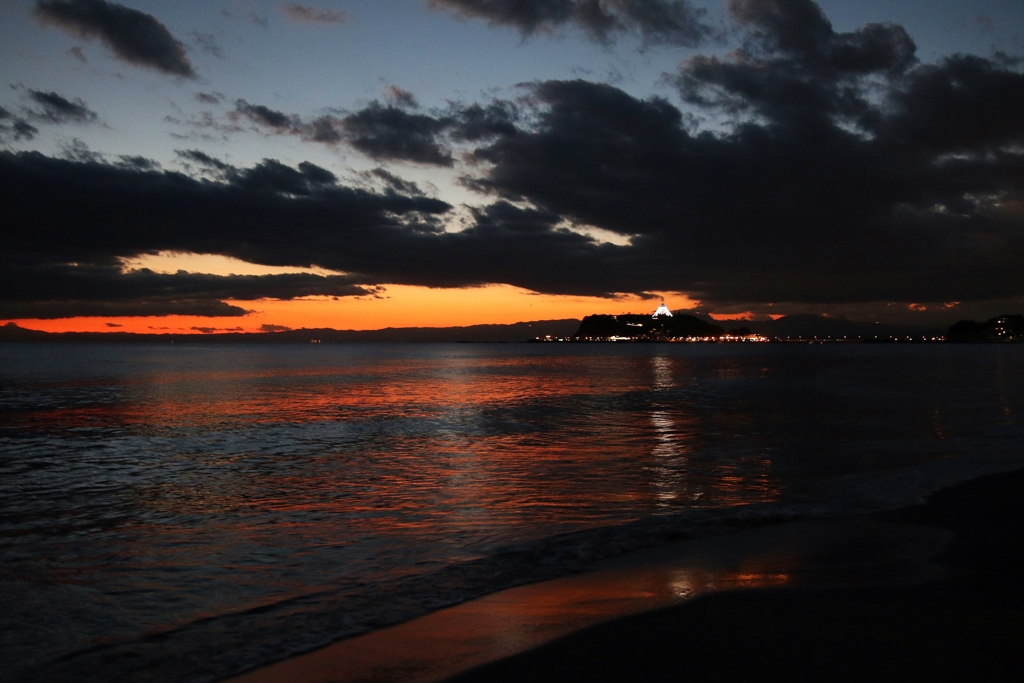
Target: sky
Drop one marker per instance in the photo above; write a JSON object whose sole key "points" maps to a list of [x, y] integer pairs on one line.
{"points": [[256, 165]]}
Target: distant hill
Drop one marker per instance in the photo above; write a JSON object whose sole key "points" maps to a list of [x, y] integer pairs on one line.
{"points": [[809, 326], [515, 332], [593, 326], [791, 326], [1005, 328]]}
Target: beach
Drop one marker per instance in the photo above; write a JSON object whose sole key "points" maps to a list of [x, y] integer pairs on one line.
{"points": [[924, 592], [967, 625]]}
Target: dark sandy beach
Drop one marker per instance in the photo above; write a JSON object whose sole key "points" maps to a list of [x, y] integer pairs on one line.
{"points": [[968, 626], [930, 592]]}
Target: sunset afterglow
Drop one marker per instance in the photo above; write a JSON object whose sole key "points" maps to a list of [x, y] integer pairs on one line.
{"points": [[394, 306]]}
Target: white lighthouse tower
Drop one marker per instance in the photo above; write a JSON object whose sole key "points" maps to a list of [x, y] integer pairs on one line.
{"points": [[662, 310]]}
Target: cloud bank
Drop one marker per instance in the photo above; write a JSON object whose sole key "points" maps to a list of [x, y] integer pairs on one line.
{"points": [[391, 132], [57, 109], [842, 171]]}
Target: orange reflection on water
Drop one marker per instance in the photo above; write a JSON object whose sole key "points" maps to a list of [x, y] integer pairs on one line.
{"points": [[678, 432], [413, 387], [430, 447]]}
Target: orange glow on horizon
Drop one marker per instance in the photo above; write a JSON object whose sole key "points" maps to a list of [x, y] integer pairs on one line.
{"points": [[396, 306], [745, 315]]}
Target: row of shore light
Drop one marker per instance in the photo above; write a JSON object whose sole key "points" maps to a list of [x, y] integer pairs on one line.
{"points": [[614, 338], [750, 338]]}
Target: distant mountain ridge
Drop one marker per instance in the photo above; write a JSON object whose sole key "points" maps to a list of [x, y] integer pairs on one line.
{"points": [[515, 332], [592, 326], [809, 326]]}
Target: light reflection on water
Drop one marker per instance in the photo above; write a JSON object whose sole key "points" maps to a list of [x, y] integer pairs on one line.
{"points": [[143, 488]]}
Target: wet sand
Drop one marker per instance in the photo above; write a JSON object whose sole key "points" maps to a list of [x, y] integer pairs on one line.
{"points": [[966, 626], [926, 592]]}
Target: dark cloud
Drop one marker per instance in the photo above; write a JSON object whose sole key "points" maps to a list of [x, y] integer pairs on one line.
{"points": [[795, 67], [15, 127], [964, 104], [314, 15], [395, 183], [388, 132], [23, 130], [274, 328], [475, 123], [378, 131], [269, 213], [209, 97], [213, 330], [108, 282], [505, 216], [270, 175], [47, 107], [206, 126], [204, 160], [402, 98], [135, 37], [77, 53], [521, 246], [57, 290], [859, 176], [76, 150], [208, 43], [265, 116], [273, 176], [57, 109], [325, 129], [72, 308], [137, 163], [391, 132], [673, 22]]}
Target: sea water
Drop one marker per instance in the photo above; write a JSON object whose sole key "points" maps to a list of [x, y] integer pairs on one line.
{"points": [[186, 512]]}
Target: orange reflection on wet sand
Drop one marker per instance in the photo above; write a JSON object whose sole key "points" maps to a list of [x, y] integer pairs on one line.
{"points": [[809, 554], [441, 644]]}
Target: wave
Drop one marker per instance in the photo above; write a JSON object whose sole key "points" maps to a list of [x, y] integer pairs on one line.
{"points": [[226, 644]]}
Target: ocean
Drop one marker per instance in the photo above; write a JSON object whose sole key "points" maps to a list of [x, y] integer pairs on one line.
{"points": [[187, 512]]}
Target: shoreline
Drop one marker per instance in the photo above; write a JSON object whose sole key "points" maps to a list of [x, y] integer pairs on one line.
{"points": [[966, 625], [519, 633]]}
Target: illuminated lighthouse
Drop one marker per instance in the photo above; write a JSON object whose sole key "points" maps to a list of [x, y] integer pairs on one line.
{"points": [[662, 310]]}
